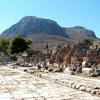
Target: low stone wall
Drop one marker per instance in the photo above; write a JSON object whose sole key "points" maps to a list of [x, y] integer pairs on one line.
{"points": [[83, 84]]}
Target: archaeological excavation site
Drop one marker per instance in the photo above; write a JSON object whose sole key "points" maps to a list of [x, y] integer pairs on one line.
{"points": [[49, 49], [62, 72]]}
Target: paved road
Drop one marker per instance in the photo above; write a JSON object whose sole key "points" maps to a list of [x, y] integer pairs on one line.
{"points": [[17, 85]]}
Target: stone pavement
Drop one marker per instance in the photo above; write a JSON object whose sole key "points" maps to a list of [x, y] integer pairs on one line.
{"points": [[18, 85]]}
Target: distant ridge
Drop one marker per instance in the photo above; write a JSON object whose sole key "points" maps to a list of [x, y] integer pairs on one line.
{"points": [[79, 33]]}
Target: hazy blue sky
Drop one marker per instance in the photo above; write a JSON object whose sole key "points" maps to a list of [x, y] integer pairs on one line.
{"points": [[67, 13]]}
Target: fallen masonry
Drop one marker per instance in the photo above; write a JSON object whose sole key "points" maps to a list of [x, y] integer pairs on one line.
{"points": [[77, 58]]}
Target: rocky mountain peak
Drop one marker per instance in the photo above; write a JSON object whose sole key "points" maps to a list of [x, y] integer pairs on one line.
{"points": [[32, 25]]}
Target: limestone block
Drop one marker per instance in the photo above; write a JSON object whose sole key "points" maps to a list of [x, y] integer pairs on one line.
{"points": [[87, 70], [70, 84], [83, 63], [94, 91], [88, 89], [78, 86], [56, 65], [74, 86], [82, 88], [92, 75], [67, 71], [98, 92], [97, 72]]}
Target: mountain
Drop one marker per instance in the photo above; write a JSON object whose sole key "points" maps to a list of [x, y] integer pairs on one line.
{"points": [[31, 25], [79, 33], [45, 30]]}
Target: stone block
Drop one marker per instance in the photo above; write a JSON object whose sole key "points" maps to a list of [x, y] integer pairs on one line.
{"points": [[87, 70], [82, 88], [97, 72], [88, 89], [70, 84], [68, 71], [94, 91], [78, 86], [74, 86], [92, 75], [98, 93]]}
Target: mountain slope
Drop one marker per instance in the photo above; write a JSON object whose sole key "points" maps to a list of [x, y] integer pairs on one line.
{"points": [[79, 33], [31, 25], [52, 40], [42, 29]]}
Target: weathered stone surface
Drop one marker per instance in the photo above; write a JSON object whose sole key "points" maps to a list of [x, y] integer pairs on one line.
{"points": [[87, 70], [73, 67], [98, 92], [70, 84], [96, 87], [78, 86], [18, 85], [74, 86], [82, 88], [92, 75], [94, 91], [70, 80], [83, 63], [97, 72], [79, 69], [68, 71], [88, 89]]}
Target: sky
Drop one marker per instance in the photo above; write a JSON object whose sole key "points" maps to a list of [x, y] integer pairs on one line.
{"points": [[66, 13]]}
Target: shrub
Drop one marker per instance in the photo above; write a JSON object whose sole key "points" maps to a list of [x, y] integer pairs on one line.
{"points": [[87, 43], [4, 45], [19, 44]]}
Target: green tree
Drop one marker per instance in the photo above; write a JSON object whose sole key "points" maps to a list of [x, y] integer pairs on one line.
{"points": [[87, 43], [19, 44], [4, 45], [29, 42]]}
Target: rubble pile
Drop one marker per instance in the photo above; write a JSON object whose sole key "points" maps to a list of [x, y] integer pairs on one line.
{"points": [[4, 58], [77, 59], [72, 59]]}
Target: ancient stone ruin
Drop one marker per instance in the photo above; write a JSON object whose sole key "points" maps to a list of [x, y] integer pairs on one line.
{"points": [[73, 59]]}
